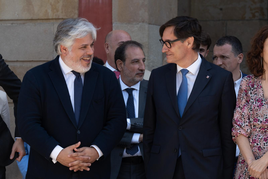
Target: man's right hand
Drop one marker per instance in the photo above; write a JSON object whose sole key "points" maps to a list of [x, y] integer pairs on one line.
{"points": [[65, 159], [63, 155], [18, 146]]}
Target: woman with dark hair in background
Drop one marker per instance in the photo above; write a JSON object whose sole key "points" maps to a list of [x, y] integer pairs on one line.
{"points": [[250, 122]]}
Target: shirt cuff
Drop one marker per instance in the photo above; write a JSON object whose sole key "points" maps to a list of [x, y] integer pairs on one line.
{"points": [[98, 150], [55, 152], [17, 138], [128, 124], [135, 138]]}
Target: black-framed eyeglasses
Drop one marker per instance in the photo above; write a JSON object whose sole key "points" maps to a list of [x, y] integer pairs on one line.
{"points": [[168, 43]]}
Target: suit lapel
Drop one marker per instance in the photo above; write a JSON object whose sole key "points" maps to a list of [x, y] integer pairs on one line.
{"points": [[201, 81], [142, 98], [60, 86], [88, 91], [171, 87]]}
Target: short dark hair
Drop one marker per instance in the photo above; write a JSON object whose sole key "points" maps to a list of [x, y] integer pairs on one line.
{"points": [[254, 58], [120, 53], [184, 27], [205, 39], [233, 41]]}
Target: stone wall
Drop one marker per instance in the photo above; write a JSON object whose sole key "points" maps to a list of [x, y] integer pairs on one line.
{"points": [[27, 29], [142, 19], [240, 18]]}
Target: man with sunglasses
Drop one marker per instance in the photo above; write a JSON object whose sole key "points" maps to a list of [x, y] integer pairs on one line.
{"points": [[189, 110]]}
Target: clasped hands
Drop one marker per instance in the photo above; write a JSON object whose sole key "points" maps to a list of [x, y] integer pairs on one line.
{"points": [[258, 168], [78, 159]]}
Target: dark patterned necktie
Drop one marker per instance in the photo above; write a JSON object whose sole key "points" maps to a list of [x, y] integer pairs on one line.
{"points": [[131, 114], [78, 88]]}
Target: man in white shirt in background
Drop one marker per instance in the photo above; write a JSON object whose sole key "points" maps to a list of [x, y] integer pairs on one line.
{"points": [[127, 157], [112, 41], [228, 54]]}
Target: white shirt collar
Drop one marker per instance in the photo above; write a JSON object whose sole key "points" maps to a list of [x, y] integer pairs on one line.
{"points": [[237, 84], [109, 66], [64, 68], [239, 80], [124, 86], [193, 68]]}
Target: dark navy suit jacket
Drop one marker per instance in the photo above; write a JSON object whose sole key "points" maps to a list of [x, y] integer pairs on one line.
{"points": [[203, 132], [46, 118]]}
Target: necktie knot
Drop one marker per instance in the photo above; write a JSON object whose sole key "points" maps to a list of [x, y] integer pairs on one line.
{"points": [[129, 91], [117, 74], [76, 73], [184, 71]]}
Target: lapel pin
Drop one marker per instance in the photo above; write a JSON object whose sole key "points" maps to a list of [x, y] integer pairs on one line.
{"points": [[207, 77]]}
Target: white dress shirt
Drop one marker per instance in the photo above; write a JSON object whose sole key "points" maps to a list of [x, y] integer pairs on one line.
{"points": [[4, 108], [135, 92], [191, 75], [69, 79], [236, 86], [109, 66]]}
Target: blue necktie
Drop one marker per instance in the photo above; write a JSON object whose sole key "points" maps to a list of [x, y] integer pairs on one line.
{"points": [[78, 88], [183, 92], [131, 114], [182, 96]]}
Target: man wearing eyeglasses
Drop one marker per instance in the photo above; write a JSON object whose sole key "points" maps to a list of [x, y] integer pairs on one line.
{"points": [[189, 110]]}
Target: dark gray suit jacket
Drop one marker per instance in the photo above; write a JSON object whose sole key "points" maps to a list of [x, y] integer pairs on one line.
{"points": [[117, 152]]}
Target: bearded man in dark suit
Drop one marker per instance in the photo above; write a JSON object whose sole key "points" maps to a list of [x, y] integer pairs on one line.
{"points": [[71, 111]]}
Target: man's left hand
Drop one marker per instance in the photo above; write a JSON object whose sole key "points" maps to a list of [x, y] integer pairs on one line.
{"points": [[18, 146]]}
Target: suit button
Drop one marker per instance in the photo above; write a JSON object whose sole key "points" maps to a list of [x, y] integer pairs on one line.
{"points": [[78, 132], [175, 150], [180, 128]]}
